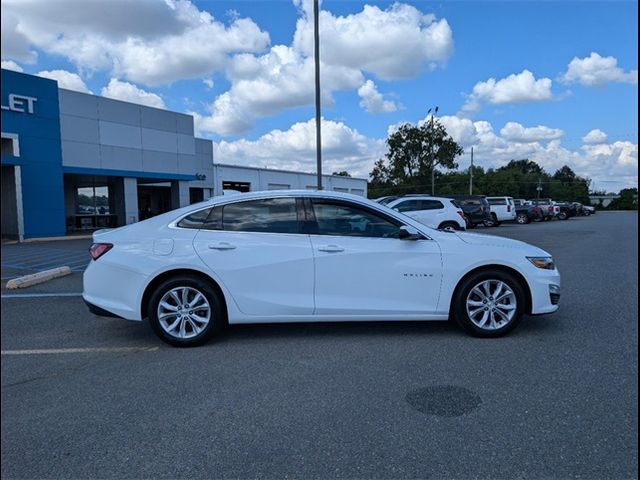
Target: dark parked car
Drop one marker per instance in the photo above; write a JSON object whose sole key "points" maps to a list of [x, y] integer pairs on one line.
{"points": [[476, 209], [568, 210], [527, 213]]}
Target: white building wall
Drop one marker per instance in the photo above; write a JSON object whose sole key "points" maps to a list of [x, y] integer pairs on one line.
{"points": [[268, 179]]}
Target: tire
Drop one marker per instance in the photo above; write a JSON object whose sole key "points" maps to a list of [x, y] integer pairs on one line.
{"points": [[587, 213], [448, 225], [563, 216], [522, 218], [471, 316], [493, 222], [185, 334]]}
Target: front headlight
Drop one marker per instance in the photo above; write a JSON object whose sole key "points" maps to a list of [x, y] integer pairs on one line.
{"points": [[542, 262]]}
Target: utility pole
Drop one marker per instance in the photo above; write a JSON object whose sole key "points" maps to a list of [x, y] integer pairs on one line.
{"points": [[433, 160], [539, 187], [316, 40], [471, 174]]}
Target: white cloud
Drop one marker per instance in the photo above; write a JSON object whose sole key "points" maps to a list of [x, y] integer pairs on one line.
{"points": [[283, 78], [394, 43], [595, 137], [208, 82], [343, 148], [150, 42], [515, 132], [595, 71], [614, 164], [65, 79], [516, 88], [373, 101], [130, 93], [11, 65], [268, 84]]}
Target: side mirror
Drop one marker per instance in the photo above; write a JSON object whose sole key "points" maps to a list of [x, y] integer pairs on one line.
{"points": [[409, 233]]}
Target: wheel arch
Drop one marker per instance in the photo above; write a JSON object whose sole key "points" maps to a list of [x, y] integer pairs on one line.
{"points": [[512, 271], [161, 277]]}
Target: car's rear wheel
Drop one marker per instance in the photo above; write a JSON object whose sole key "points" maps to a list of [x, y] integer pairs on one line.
{"points": [[489, 303], [449, 226], [522, 218], [563, 216], [185, 311]]}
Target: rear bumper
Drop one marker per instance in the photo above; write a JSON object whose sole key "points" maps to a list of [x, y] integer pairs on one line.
{"points": [[100, 312]]}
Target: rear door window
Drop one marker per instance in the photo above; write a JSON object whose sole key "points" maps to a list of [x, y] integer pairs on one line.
{"points": [[272, 215]]}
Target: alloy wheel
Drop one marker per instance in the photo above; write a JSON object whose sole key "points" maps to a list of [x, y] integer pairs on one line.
{"points": [[184, 312], [491, 304]]}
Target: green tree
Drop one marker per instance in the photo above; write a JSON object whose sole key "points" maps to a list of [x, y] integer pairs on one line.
{"points": [[343, 173], [413, 153], [628, 200]]}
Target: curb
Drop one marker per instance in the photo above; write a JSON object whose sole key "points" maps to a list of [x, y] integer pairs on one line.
{"points": [[35, 278]]}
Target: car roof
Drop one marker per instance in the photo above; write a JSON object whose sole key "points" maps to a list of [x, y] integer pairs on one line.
{"points": [[285, 193], [420, 197]]}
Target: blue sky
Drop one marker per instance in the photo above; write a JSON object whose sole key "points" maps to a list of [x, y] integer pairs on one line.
{"points": [[564, 88]]}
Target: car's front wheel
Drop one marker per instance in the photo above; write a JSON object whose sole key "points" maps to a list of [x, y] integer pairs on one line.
{"points": [[489, 303], [522, 218], [185, 311]]}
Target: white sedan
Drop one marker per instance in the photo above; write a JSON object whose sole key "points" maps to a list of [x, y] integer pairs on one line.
{"points": [[306, 256]]}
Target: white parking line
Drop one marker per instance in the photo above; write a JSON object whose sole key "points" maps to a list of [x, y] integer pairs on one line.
{"points": [[38, 295], [49, 351]]}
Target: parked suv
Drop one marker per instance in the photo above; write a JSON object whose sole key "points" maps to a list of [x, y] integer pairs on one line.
{"points": [[475, 207], [502, 210], [436, 212]]}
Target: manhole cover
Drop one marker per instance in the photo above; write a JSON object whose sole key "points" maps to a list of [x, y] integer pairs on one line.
{"points": [[443, 400]]}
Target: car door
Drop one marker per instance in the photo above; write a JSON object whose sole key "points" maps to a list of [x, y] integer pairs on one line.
{"points": [[370, 271], [436, 213], [416, 209], [255, 247]]}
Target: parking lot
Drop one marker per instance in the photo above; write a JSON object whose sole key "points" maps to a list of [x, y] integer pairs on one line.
{"points": [[88, 397]]}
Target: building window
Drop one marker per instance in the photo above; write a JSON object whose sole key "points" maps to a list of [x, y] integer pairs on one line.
{"points": [[237, 186], [196, 195], [340, 189], [278, 186], [10, 145]]}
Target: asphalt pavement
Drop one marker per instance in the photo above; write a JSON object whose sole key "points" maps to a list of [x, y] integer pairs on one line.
{"points": [[87, 397]]}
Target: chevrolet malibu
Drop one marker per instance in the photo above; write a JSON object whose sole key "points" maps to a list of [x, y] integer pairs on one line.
{"points": [[307, 256]]}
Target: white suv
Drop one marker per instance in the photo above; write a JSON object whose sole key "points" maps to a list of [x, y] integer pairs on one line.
{"points": [[503, 209], [435, 212]]}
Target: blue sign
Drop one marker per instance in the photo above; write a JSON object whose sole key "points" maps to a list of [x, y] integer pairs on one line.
{"points": [[30, 111]]}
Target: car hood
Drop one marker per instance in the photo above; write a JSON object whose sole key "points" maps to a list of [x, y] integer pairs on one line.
{"points": [[495, 241]]}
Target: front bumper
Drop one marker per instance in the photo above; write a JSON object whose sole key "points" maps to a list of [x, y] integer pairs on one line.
{"points": [[545, 291]]}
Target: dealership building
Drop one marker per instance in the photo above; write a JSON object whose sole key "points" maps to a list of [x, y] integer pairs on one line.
{"points": [[74, 162]]}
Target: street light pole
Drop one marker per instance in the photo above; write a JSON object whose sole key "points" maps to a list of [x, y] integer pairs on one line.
{"points": [[433, 161], [471, 174], [316, 40]]}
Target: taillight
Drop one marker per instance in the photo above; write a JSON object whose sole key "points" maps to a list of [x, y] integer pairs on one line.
{"points": [[99, 249], [461, 213], [508, 208]]}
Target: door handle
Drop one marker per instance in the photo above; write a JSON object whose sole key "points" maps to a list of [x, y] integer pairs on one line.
{"points": [[331, 248], [221, 246]]}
